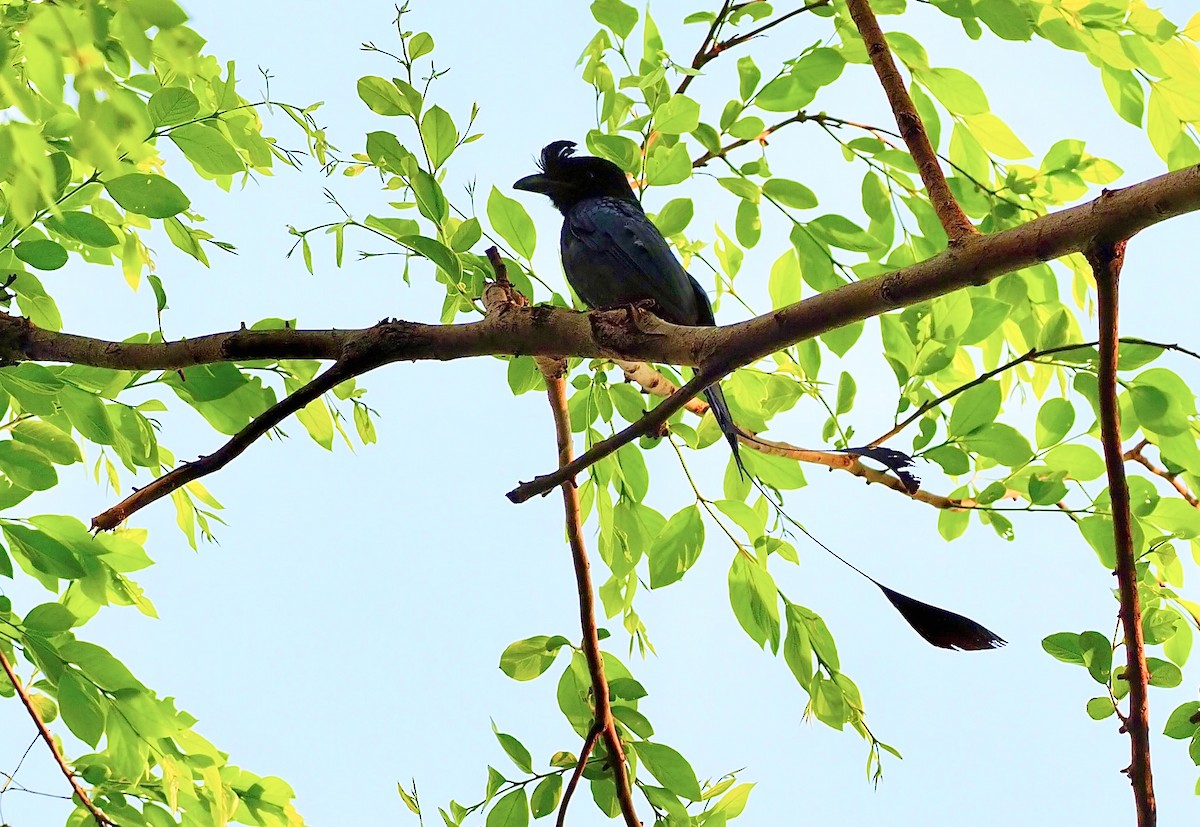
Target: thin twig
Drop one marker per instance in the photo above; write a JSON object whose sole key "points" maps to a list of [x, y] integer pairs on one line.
{"points": [[1030, 355], [181, 475], [584, 754], [101, 818], [700, 59], [958, 227], [554, 372], [1135, 454], [1106, 260]]}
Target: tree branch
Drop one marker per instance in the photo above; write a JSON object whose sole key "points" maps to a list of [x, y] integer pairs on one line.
{"points": [[100, 818], [554, 372], [551, 331], [181, 475], [1106, 260], [958, 227], [1135, 454], [976, 261], [584, 754], [1030, 355]]}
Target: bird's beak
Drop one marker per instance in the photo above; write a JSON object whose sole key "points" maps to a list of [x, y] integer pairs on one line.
{"points": [[535, 183]]}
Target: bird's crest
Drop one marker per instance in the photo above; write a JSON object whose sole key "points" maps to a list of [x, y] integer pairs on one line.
{"points": [[554, 156]]}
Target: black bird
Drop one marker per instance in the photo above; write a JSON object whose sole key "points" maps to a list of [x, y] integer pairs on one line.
{"points": [[613, 256]]}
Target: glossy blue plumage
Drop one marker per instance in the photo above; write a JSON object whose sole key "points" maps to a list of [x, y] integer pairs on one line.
{"points": [[614, 256]]}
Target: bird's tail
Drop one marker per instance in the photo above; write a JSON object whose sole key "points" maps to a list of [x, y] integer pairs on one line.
{"points": [[720, 409]]}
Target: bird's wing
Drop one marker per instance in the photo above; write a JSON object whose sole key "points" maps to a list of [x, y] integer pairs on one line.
{"points": [[613, 254]]}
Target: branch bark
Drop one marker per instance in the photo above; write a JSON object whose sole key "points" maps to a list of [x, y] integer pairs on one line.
{"points": [[958, 227], [1106, 260], [86, 802], [554, 372]]}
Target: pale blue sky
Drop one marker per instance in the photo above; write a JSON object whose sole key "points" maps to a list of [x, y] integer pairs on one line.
{"points": [[345, 633]]}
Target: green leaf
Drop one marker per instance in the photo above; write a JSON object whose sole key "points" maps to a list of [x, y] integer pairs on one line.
{"points": [[99, 666], [1184, 721], [205, 147], [839, 231], [49, 619], [679, 115], [958, 91], [47, 440], [617, 16], [1000, 442], [789, 193], [676, 548], [87, 415], [1100, 708], [1164, 673], [149, 195], [419, 45], [674, 217], [1063, 646], [43, 254], [1054, 420], [510, 220], [1081, 462], [439, 136], [26, 467], [382, 96], [670, 769], [785, 94], [172, 105], [525, 659], [748, 77], [783, 283], [84, 228], [43, 552], [510, 811], [516, 751], [81, 707], [845, 393], [666, 166], [164, 14], [974, 408], [755, 601], [546, 795], [1008, 19], [1125, 93], [438, 253]]}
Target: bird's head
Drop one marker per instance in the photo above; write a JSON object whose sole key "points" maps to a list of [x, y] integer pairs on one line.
{"points": [[566, 178]]}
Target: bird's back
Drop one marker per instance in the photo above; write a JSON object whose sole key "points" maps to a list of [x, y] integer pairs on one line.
{"points": [[613, 255]]}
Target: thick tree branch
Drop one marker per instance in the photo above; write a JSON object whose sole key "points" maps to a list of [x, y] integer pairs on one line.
{"points": [[550, 331], [1106, 260], [554, 372], [977, 261], [86, 802], [958, 227]]}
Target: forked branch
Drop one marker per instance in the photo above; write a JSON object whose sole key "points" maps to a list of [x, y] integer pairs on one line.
{"points": [[554, 372]]}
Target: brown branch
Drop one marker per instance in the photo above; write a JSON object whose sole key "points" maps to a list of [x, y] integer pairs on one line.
{"points": [[799, 117], [1030, 355], [1135, 454], [976, 261], [1106, 260], [100, 818], [181, 475], [584, 754], [707, 53], [954, 220], [551, 331], [554, 371], [700, 59]]}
